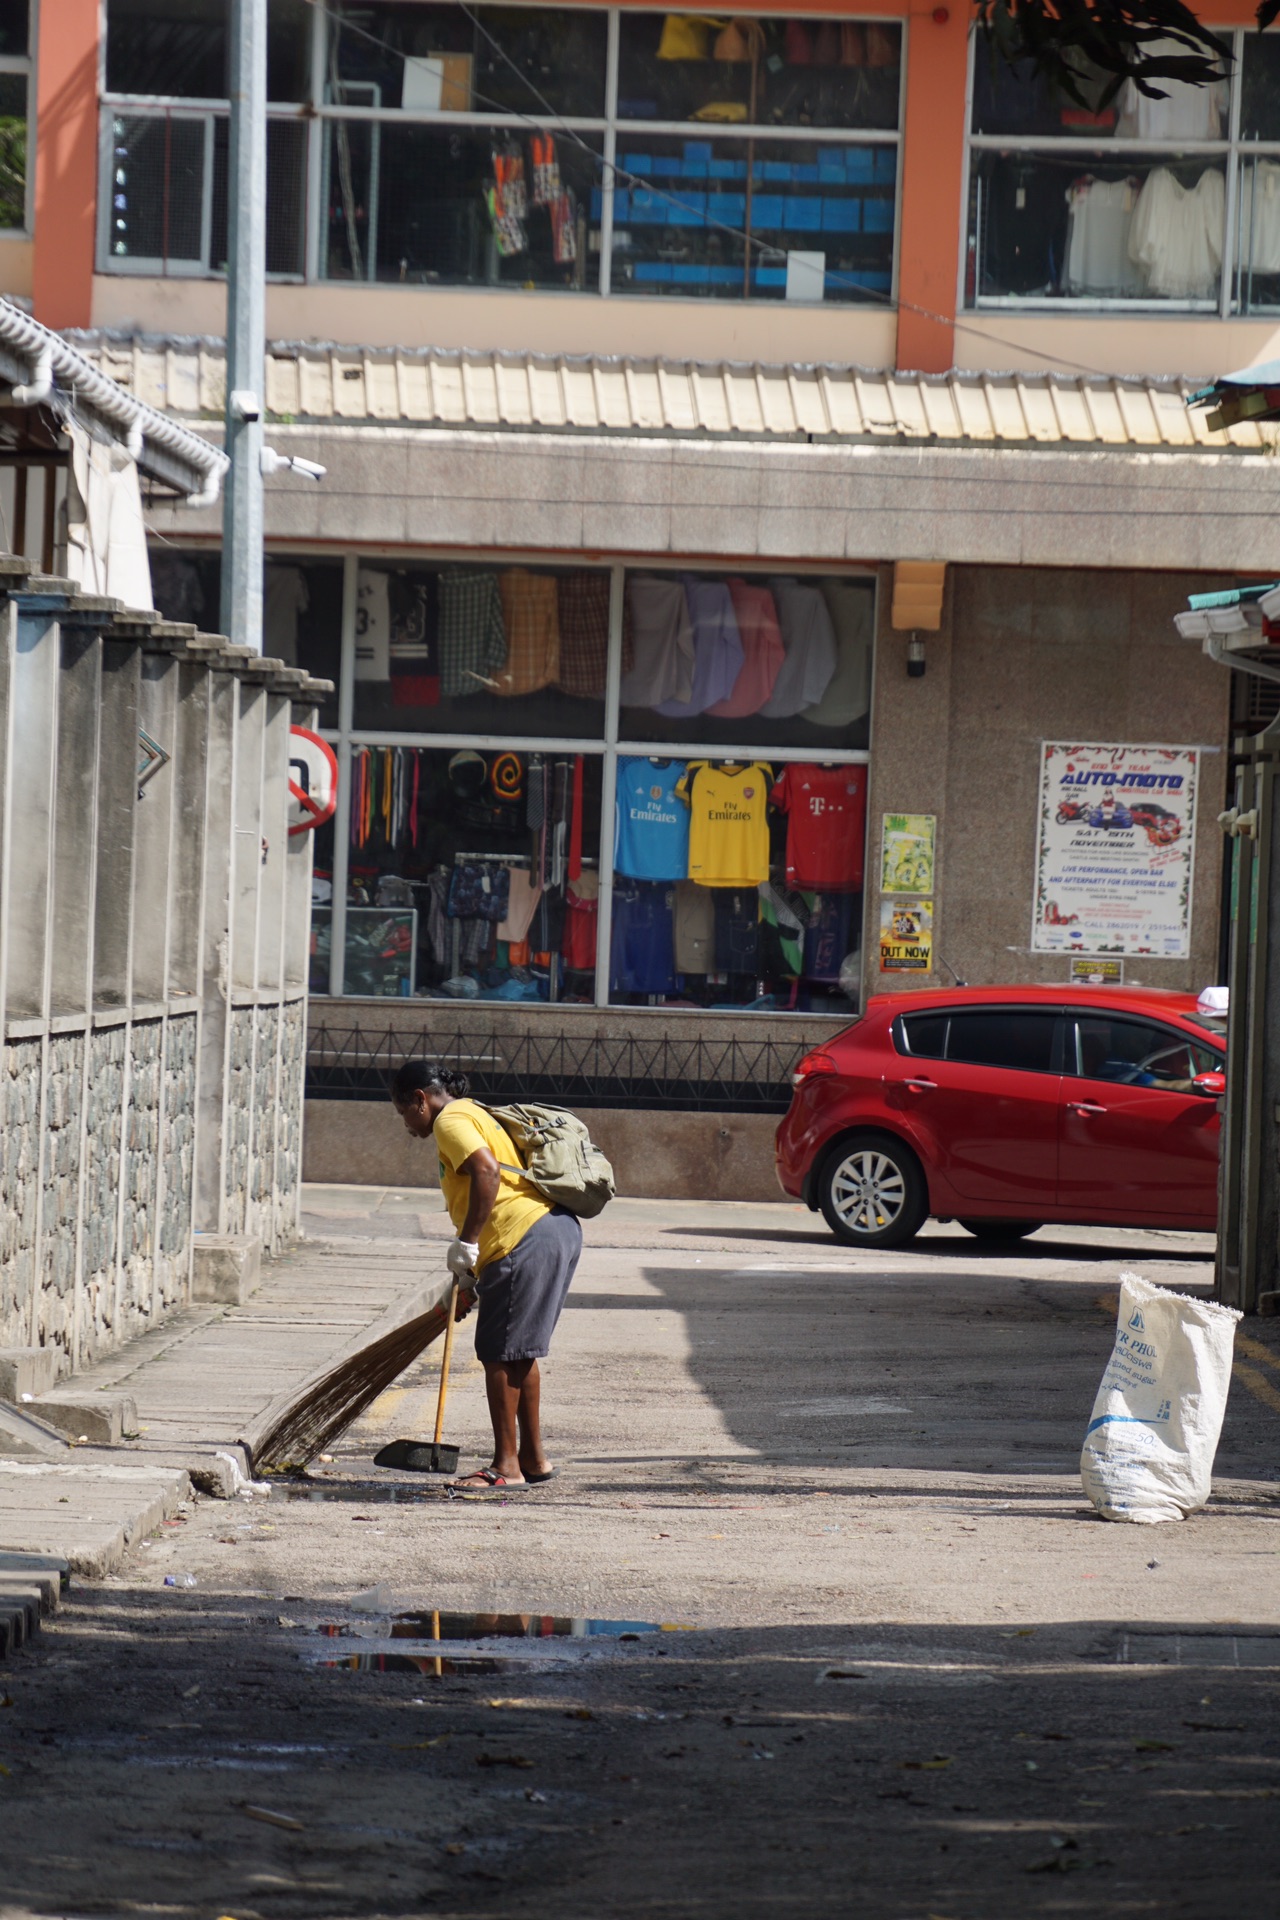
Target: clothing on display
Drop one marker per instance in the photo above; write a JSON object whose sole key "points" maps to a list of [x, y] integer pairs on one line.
{"points": [[1099, 227], [284, 597], [1024, 225], [810, 643], [1260, 216], [531, 620], [584, 634], [643, 938], [762, 651], [663, 640], [373, 625], [651, 820], [1182, 112], [695, 928], [781, 934], [479, 892], [523, 895], [385, 784], [717, 649], [1177, 231], [728, 823], [848, 695], [581, 919], [472, 637], [176, 591], [827, 938], [737, 929], [415, 668], [826, 810]]}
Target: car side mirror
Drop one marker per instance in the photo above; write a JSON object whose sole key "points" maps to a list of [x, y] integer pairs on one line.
{"points": [[1212, 1084]]}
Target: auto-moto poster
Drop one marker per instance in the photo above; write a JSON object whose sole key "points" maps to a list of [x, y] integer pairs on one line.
{"points": [[906, 936], [1115, 850]]}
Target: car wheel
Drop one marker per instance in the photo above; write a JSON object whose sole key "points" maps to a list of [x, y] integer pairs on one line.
{"points": [[1001, 1232], [872, 1192]]}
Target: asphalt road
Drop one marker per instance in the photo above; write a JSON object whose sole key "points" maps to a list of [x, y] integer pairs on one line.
{"points": [[919, 1679]]}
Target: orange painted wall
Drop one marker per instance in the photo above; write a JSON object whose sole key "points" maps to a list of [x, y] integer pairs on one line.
{"points": [[930, 224], [66, 162]]}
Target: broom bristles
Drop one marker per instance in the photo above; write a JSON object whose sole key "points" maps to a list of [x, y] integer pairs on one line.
{"points": [[295, 1427]]}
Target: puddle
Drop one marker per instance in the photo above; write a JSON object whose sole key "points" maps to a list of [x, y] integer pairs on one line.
{"points": [[559, 1639], [430, 1666], [363, 1492], [517, 1626]]}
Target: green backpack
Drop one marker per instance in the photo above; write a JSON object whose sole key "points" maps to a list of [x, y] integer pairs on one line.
{"points": [[558, 1157]]}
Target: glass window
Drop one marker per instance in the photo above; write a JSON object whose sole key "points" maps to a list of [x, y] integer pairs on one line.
{"points": [[473, 876], [505, 207], [168, 203], [783, 72], [762, 219], [1260, 87], [1136, 1054], [926, 1035], [747, 660], [14, 27], [13, 149], [1023, 1041], [429, 59], [508, 651], [182, 52]]}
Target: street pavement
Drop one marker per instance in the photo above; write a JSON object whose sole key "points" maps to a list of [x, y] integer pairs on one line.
{"points": [[917, 1676]]}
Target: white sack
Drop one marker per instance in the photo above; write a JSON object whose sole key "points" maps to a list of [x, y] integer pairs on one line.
{"points": [[1148, 1450]]}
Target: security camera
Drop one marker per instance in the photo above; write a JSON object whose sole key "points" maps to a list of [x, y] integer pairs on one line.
{"points": [[273, 462], [310, 468]]}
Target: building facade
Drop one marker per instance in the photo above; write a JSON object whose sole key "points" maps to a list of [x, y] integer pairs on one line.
{"points": [[759, 476]]}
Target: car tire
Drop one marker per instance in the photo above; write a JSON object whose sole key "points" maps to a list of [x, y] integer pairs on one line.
{"points": [[873, 1178], [1001, 1232]]}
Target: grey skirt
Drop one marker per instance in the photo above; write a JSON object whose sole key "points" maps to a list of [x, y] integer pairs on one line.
{"points": [[520, 1296]]}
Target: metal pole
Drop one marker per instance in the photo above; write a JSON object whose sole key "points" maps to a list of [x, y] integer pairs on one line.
{"points": [[246, 325]]}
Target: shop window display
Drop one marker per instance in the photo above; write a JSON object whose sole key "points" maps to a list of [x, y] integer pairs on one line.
{"points": [[477, 649], [774, 72], [737, 883], [471, 876]]}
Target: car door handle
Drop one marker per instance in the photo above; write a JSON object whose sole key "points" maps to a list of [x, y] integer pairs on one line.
{"points": [[921, 1086], [1085, 1106]]}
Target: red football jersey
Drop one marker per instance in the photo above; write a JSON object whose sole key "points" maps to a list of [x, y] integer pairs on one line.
{"points": [[826, 825]]}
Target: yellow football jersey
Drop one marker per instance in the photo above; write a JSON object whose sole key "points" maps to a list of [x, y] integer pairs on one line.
{"points": [[728, 825]]}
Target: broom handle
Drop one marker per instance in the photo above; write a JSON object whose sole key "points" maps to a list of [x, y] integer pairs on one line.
{"points": [[445, 1359]]}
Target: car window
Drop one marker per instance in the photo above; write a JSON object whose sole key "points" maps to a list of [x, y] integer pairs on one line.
{"points": [[996, 1038], [1137, 1053], [926, 1035]]}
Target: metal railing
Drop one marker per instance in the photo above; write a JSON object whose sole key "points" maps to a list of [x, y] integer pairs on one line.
{"points": [[353, 1060]]}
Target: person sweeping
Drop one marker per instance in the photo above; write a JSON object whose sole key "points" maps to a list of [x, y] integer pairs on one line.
{"points": [[516, 1249]]}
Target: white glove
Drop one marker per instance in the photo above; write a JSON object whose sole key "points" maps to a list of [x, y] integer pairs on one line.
{"points": [[462, 1257]]}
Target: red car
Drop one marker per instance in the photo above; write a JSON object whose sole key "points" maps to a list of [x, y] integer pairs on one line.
{"points": [[1007, 1107]]}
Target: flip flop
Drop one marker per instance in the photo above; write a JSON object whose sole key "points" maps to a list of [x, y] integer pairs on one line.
{"points": [[540, 1479], [486, 1477]]}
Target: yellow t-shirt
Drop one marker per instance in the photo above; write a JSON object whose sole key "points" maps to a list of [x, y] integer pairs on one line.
{"points": [[460, 1128], [728, 825]]}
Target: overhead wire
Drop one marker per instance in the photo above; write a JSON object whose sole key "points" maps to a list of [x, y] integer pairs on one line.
{"points": [[551, 118]]}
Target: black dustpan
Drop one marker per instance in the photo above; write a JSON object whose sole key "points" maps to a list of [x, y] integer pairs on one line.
{"points": [[418, 1456]]}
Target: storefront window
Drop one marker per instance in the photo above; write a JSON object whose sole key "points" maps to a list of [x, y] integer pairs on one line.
{"points": [[1126, 202], [442, 58], [782, 72], [182, 52]]}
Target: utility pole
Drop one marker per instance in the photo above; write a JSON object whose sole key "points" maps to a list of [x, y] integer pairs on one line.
{"points": [[242, 519]]}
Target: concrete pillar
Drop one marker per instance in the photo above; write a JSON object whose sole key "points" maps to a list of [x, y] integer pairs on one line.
{"points": [[153, 864], [215, 956], [117, 810], [79, 694], [31, 774]]}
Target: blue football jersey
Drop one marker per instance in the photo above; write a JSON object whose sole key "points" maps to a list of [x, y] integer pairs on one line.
{"points": [[651, 826]]}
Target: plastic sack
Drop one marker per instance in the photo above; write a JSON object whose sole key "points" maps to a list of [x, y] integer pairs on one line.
{"points": [[1149, 1446]]}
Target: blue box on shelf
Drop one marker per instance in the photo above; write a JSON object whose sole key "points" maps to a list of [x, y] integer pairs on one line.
{"points": [[597, 202], [841, 216], [636, 162], [779, 170], [667, 167], [689, 275], [729, 208], [768, 210], [804, 214], [728, 170], [870, 279], [805, 174], [648, 208], [654, 270], [687, 209], [831, 166], [621, 206], [877, 216], [886, 163], [770, 277], [859, 163], [698, 149], [725, 276]]}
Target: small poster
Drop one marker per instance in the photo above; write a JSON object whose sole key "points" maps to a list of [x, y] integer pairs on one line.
{"points": [[1093, 970], [1115, 850], [906, 852], [906, 936]]}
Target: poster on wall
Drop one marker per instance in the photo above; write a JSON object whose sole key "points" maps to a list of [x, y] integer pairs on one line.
{"points": [[1115, 850], [906, 852], [906, 936]]}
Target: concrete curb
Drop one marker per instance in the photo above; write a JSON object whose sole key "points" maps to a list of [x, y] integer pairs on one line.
{"points": [[89, 1513]]}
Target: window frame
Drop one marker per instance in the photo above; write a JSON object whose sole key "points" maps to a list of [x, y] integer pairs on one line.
{"points": [[1233, 151], [1059, 1016], [609, 127], [25, 65], [1135, 1019]]}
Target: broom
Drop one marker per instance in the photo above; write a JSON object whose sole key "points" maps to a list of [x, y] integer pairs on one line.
{"points": [[297, 1425]]}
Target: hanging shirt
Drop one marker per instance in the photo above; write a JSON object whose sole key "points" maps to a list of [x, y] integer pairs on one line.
{"points": [[826, 810], [1260, 215], [531, 619], [695, 927], [415, 668], [1176, 235], [1183, 113], [827, 936], [284, 597], [663, 639], [728, 824], [373, 626], [737, 929], [762, 651], [523, 896], [643, 944], [848, 695], [810, 643], [651, 820], [581, 917], [1099, 226], [717, 648], [473, 640], [584, 634]]}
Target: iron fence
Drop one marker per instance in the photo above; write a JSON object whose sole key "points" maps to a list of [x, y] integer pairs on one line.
{"points": [[353, 1060]]}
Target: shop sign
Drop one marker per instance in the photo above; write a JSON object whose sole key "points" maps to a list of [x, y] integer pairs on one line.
{"points": [[1115, 850], [906, 936], [1094, 970], [906, 852]]}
